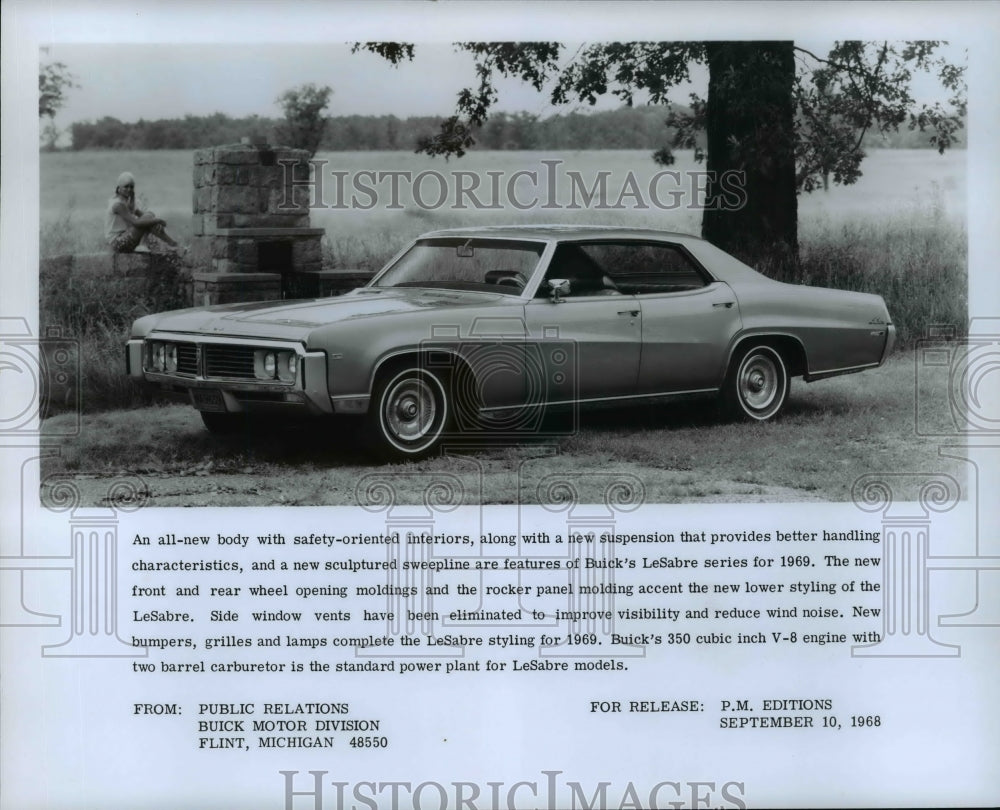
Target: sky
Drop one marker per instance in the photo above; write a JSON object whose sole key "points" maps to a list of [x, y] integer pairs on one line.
{"points": [[162, 81], [130, 81]]}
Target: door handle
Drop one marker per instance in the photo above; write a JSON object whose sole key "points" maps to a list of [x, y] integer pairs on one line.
{"points": [[726, 304], [632, 312]]}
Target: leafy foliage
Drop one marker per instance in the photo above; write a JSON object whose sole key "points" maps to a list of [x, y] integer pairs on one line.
{"points": [[638, 127], [54, 80], [861, 87], [856, 89], [533, 62], [305, 118]]}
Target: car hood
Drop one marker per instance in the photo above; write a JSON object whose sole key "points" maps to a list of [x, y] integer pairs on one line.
{"points": [[296, 319]]}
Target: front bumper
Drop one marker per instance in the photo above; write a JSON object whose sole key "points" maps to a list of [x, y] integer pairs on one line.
{"points": [[308, 393]]}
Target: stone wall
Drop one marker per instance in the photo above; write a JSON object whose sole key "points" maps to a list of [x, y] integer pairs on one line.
{"points": [[251, 241]]}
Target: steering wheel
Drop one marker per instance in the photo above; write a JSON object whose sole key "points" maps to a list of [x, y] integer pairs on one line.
{"points": [[517, 281]]}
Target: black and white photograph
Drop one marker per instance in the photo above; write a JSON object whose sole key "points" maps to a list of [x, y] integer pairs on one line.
{"points": [[499, 405], [410, 217]]}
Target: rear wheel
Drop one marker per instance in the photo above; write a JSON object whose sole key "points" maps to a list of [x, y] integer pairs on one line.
{"points": [[409, 413], [757, 384]]}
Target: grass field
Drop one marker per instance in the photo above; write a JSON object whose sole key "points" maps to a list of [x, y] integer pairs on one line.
{"points": [[897, 186], [832, 432]]}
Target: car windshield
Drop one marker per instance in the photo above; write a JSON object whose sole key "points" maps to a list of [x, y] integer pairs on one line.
{"points": [[463, 263]]}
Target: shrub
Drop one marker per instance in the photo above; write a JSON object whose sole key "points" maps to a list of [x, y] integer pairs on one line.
{"points": [[97, 312]]}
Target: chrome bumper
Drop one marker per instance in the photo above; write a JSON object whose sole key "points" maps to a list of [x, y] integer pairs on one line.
{"points": [[309, 389], [890, 342]]}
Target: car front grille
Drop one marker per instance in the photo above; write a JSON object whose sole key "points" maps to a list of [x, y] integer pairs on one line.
{"points": [[233, 362], [187, 358]]}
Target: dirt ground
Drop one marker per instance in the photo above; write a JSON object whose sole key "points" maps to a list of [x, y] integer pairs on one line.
{"points": [[831, 433]]}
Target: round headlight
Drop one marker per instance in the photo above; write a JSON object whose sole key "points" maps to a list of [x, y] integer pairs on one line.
{"points": [[293, 363], [171, 361], [270, 364]]}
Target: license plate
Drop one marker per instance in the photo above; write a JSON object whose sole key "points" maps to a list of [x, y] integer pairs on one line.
{"points": [[208, 399]]}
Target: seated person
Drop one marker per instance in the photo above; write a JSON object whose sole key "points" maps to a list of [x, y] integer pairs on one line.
{"points": [[126, 227]]}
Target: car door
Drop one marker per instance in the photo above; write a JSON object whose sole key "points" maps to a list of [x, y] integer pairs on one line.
{"points": [[588, 341], [687, 318], [685, 338]]}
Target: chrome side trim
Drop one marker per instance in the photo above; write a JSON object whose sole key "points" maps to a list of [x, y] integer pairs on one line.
{"points": [[399, 353], [743, 335], [601, 399], [199, 337], [834, 372], [341, 399]]}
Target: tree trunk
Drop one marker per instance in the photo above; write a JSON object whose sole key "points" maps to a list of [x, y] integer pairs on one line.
{"points": [[750, 123]]}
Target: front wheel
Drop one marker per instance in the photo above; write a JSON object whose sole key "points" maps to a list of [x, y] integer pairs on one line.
{"points": [[409, 413], [757, 384]]}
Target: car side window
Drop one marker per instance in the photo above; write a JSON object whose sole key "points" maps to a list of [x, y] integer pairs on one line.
{"points": [[586, 276], [642, 268]]}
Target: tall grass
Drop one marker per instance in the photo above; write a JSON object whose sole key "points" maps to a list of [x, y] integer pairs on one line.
{"points": [[95, 314], [918, 265]]}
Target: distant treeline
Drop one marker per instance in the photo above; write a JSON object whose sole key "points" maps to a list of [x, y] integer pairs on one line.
{"points": [[625, 128]]}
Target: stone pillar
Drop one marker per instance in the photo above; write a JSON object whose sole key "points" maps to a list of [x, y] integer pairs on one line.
{"points": [[251, 217]]}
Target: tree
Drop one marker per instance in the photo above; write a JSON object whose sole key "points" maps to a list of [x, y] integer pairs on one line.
{"points": [[54, 80], [305, 118], [783, 116]]}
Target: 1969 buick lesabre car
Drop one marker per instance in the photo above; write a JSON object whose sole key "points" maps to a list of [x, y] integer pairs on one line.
{"points": [[485, 328]]}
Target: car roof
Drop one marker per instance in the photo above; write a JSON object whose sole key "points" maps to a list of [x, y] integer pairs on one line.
{"points": [[563, 232]]}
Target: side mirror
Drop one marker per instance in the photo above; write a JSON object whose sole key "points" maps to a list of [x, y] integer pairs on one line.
{"points": [[558, 287]]}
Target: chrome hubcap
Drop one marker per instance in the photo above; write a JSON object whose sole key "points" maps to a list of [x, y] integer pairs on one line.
{"points": [[410, 410], [759, 382]]}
